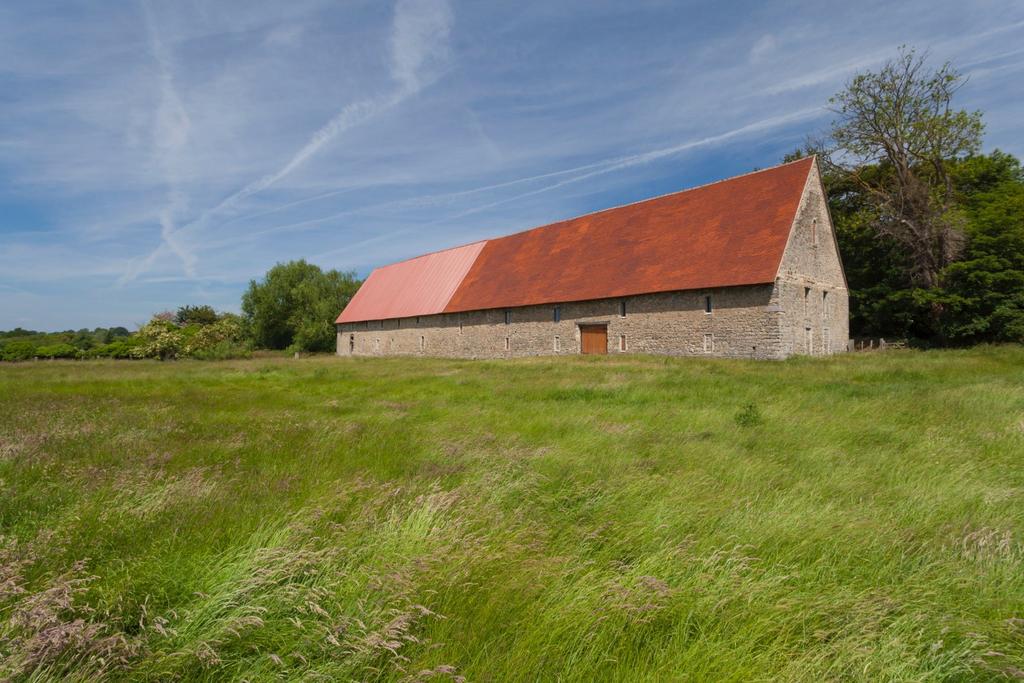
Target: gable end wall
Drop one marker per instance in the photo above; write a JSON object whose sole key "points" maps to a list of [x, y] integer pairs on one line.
{"points": [[823, 322]]}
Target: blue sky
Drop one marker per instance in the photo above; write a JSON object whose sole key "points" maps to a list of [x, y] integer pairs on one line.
{"points": [[165, 153]]}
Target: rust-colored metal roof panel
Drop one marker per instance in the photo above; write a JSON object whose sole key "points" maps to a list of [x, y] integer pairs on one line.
{"points": [[728, 233], [419, 286]]}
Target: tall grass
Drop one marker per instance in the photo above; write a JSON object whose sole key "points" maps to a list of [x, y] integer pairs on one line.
{"points": [[630, 519]]}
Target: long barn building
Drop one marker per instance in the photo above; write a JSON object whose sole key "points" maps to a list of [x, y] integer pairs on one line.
{"points": [[746, 267]]}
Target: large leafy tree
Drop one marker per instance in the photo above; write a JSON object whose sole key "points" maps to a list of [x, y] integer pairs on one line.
{"points": [[295, 306], [894, 137], [982, 294]]}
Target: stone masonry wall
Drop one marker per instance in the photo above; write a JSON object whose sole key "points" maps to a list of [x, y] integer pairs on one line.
{"points": [[744, 323], [811, 287]]}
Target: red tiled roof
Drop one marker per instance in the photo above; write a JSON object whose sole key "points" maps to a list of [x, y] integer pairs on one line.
{"points": [[419, 286], [728, 233]]}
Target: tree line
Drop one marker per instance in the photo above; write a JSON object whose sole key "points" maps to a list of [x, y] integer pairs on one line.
{"points": [[292, 307], [930, 229]]}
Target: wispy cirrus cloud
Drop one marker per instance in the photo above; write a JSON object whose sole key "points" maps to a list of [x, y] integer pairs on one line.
{"points": [[418, 45], [180, 149]]}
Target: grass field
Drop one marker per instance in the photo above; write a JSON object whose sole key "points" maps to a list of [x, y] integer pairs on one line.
{"points": [[853, 518]]}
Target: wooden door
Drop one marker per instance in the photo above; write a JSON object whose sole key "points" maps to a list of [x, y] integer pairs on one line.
{"points": [[594, 338]]}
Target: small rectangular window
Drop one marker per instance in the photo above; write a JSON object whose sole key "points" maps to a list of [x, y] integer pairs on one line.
{"points": [[417, 320], [558, 344], [825, 305], [622, 342], [460, 323], [807, 299], [809, 340], [622, 308], [558, 314], [508, 317], [709, 343], [707, 304], [508, 343]]}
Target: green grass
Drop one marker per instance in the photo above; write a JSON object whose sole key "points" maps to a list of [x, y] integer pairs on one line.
{"points": [[853, 518]]}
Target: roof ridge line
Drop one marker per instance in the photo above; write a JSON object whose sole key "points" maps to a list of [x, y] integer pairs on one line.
{"points": [[650, 199], [436, 251], [594, 213]]}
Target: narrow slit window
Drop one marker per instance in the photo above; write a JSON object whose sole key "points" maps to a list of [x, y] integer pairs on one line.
{"points": [[622, 308], [558, 344], [824, 305], [707, 304], [622, 342], [709, 343], [460, 323], [508, 317], [417, 320], [814, 232], [423, 343], [558, 314], [807, 299], [508, 343]]}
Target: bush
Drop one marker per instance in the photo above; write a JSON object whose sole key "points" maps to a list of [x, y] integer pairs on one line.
{"points": [[224, 350], [18, 350], [160, 339], [57, 351], [166, 340], [217, 341], [121, 348]]}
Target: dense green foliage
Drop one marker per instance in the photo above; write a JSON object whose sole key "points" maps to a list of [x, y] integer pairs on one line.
{"points": [[856, 517], [978, 297], [19, 344], [166, 336], [197, 315], [295, 305]]}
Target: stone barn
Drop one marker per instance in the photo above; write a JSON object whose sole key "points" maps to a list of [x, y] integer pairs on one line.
{"points": [[745, 268]]}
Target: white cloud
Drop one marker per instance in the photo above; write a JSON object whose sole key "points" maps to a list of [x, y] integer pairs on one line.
{"points": [[764, 46], [419, 35], [419, 40]]}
